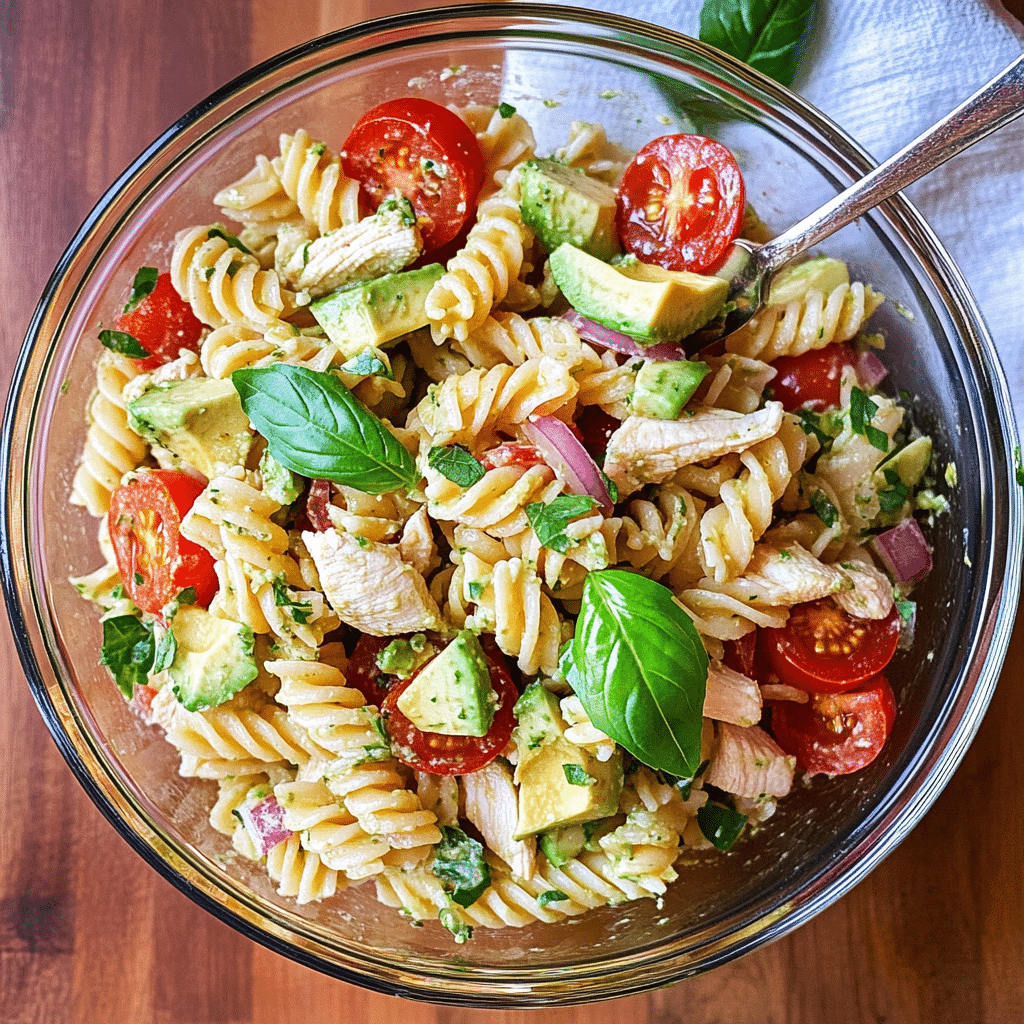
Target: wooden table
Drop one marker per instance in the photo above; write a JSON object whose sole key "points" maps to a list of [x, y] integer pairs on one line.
{"points": [[90, 934]]}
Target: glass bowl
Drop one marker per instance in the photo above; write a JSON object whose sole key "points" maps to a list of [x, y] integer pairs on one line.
{"points": [[554, 65]]}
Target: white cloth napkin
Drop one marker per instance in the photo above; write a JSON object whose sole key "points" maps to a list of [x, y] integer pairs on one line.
{"points": [[885, 70]]}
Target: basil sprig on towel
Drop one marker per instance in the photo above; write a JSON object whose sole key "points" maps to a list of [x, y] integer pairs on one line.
{"points": [[766, 34], [640, 670], [315, 426]]}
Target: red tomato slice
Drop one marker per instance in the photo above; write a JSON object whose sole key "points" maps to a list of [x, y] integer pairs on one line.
{"points": [[155, 562], [836, 733], [453, 755], [425, 152], [680, 202], [823, 650], [163, 324], [595, 428], [362, 671], [512, 453], [811, 380]]}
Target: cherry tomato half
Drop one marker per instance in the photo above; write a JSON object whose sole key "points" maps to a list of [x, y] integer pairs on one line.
{"points": [[453, 755], [836, 733], [512, 453], [362, 670], [823, 650], [680, 202], [425, 152], [163, 323], [811, 380], [156, 563]]}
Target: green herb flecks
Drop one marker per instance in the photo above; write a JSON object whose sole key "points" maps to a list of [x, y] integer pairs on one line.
{"points": [[862, 411], [506, 110], [640, 669], [233, 240], [368, 364], [721, 826], [549, 521], [551, 896], [143, 285], [824, 509], [457, 463], [892, 498], [577, 775], [123, 343], [316, 427], [766, 34], [459, 863], [128, 650]]}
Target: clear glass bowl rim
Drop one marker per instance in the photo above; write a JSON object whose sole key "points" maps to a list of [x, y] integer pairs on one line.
{"points": [[624, 975]]}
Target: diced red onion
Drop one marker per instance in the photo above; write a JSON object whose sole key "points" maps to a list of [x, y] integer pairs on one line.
{"points": [[564, 453], [264, 821], [871, 371], [590, 330], [904, 551], [317, 499]]}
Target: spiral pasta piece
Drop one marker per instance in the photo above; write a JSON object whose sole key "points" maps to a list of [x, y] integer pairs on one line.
{"points": [[111, 447], [510, 338], [311, 176], [225, 285], [480, 275], [505, 140], [812, 322], [257, 198], [590, 149], [300, 873]]}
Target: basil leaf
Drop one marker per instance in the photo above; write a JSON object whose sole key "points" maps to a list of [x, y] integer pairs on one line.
{"points": [[1018, 466], [165, 651], [810, 422], [461, 931], [142, 286], [891, 499], [127, 651], [187, 596], [124, 344], [233, 240], [721, 826], [577, 775], [459, 863], [862, 410], [457, 463], [549, 521], [506, 110], [551, 896], [315, 426], [766, 34], [641, 669], [824, 509]]}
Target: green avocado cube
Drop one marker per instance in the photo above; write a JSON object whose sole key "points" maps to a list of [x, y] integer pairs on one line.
{"points": [[213, 660], [663, 387]]}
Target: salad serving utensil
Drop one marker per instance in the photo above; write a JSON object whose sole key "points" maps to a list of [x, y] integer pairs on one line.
{"points": [[749, 268]]}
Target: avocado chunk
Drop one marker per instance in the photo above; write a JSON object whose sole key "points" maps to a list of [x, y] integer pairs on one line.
{"points": [[663, 387], [562, 784], [372, 313], [563, 204], [561, 845], [538, 720], [214, 659], [452, 694], [646, 302], [822, 274], [279, 482], [199, 419]]}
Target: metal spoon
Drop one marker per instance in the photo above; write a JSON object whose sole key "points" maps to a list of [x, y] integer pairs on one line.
{"points": [[749, 268]]}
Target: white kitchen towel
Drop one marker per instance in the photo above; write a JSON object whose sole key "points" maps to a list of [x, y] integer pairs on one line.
{"points": [[884, 70]]}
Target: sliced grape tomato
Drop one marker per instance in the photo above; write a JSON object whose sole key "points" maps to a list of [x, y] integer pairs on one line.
{"points": [[425, 152], [823, 649], [811, 380], [161, 321], [680, 202]]}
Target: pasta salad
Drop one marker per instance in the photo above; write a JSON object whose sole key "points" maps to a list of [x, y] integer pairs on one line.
{"points": [[427, 540]]}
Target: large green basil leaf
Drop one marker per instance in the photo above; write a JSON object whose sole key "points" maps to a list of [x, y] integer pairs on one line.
{"points": [[640, 669], [315, 426], [766, 34], [128, 651]]}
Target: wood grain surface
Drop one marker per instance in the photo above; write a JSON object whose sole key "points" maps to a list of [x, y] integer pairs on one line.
{"points": [[90, 934]]}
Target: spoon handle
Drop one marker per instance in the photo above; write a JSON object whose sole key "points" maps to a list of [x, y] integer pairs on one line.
{"points": [[991, 107]]}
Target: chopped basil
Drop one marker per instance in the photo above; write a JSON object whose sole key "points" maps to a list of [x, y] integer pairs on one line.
{"points": [[1018, 465], [825, 510], [456, 462], [506, 110], [368, 364], [551, 896], [862, 410], [721, 826], [232, 240], [165, 651], [124, 344], [143, 285], [459, 863], [576, 775], [549, 521], [460, 931], [316, 427], [810, 421], [300, 611], [892, 499], [128, 649], [475, 588]]}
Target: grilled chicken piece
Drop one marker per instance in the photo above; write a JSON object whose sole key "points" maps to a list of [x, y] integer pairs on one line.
{"points": [[785, 576], [370, 586], [871, 596], [748, 762], [731, 696], [492, 805], [647, 450], [381, 244]]}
